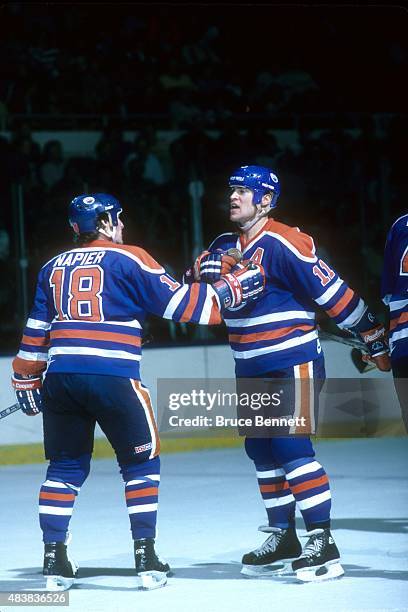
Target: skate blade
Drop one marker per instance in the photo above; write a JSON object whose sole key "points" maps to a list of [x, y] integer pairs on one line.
{"points": [[274, 569], [329, 571], [147, 581], [58, 583]]}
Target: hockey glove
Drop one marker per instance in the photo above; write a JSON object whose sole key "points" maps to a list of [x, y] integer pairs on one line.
{"points": [[377, 346], [246, 284], [209, 267], [372, 333], [28, 393]]}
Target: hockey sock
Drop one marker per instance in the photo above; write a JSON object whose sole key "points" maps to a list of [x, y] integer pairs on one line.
{"points": [[310, 487], [141, 492], [277, 496], [56, 504], [64, 479]]}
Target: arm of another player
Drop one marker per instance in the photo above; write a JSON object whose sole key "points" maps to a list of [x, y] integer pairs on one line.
{"points": [[196, 302]]}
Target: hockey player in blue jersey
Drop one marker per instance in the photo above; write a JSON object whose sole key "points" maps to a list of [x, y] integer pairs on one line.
{"points": [[276, 337], [85, 328], [394, 293]]}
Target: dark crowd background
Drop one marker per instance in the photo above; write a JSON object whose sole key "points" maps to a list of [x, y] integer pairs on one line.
{"points": [[202, 89]]}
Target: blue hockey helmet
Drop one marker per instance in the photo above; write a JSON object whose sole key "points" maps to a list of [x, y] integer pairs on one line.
{"points": [[259, 179], [84, 211]]}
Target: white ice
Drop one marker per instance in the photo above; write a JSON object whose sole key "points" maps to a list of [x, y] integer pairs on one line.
{"points": [[209, 512]]}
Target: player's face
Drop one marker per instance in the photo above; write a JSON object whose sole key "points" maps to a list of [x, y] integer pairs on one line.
{"points": [[118, 239], [241, 206]]}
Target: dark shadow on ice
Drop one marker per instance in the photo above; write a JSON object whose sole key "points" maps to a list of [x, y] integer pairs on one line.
{"points": [[209, 571], [378, 525]]}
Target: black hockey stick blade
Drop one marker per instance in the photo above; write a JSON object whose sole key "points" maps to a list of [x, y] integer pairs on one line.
{"points": [[4, 413]]}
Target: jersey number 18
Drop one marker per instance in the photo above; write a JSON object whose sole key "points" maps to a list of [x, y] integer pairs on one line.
{"points": [[84, 299]]}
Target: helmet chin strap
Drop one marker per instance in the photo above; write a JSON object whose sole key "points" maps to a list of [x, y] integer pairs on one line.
{"points": [[259, 214], [111, 232]]}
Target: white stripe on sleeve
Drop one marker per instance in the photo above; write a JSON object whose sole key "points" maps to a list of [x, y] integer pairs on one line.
{"points": [[330, 292], [175, 302]]}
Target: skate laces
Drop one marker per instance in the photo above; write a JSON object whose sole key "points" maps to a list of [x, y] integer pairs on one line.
{"points": [[270, 544], [314, 545]]}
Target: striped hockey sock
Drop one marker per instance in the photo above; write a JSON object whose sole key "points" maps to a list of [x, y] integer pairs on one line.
{"points": [[277, 496], [56, 503], [141, 500], [310, 486]]}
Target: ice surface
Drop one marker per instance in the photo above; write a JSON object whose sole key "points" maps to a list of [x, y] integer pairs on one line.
{"points": [[209, 512]]}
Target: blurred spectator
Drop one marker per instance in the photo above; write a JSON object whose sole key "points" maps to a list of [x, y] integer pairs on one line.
{"points": [[182, 110], [143, 160], [175, 77], [52, 166], [4, 244], [3, 116]]}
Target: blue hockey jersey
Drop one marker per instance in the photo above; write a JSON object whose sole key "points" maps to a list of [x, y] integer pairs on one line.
{"points": [[394, 286], [278, 330], [90, 305]]}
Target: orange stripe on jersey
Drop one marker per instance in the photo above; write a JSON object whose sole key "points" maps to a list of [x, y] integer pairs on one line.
{"points": [[192, 303], [305, 405], [96, 335], [143, 255], [57, 496], [26, 367], [341, 304], [39, 341], [271, 335], [142, 492], [273, 488], [215, 316], [310, 484], [302, 242], [146, 398], [403, 318]]}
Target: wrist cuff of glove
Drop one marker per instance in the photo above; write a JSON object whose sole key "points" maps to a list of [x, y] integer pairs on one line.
{"points": [[229, 291], [25, 384]]}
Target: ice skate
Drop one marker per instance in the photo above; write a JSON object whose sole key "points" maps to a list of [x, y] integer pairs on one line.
{"points": [[274, 556], [59, 570], [151, 572], [319, 559]]}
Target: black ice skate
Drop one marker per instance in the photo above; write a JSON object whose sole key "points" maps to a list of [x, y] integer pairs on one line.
{"points": [[59, 570], [319, 559], [273, 557], [151, 572]]}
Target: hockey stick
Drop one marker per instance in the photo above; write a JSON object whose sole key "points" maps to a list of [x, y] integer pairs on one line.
{"points": [[358, 352], [4, 413]]}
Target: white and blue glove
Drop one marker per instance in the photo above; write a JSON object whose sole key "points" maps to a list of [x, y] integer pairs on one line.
{"points": [[28, 393], [245, 284], [209, 267]]}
